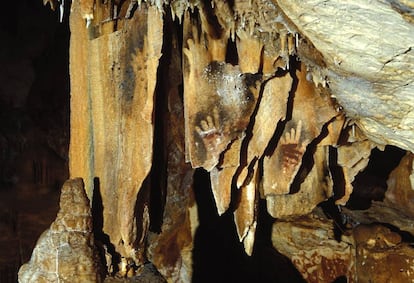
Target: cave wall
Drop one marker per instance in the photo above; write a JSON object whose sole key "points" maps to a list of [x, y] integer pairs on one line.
{"points": [[281, 116]]}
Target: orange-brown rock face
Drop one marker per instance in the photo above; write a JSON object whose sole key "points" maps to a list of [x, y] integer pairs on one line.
{"points": [[381, 256], [312, 247], [66, 252], [367, 253], [311, 110]]}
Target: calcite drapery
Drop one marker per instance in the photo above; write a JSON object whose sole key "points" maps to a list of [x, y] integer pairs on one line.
{"points": [[112, 116], [225, 108], [216, 94], [311, 110], [218, 100]]}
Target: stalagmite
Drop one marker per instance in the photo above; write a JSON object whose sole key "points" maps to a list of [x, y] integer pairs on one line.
{"points": [[66, 252]]}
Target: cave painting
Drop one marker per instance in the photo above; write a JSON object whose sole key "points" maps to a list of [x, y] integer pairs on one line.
{"points": [[211, 84], [292, 150]]}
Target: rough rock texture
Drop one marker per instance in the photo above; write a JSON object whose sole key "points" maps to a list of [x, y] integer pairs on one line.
{"points": [[148, 274], [311, 245], [310, 111], [66, 252], [316, 188], [353, 158], [369, 65], [366, 253], [381, 256], [400, 184], [217, 96]]}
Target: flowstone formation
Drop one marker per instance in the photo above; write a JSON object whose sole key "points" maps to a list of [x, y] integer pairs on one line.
{"points": [[66, 251]]}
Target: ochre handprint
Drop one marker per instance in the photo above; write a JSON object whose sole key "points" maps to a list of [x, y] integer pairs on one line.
{"points": [[292, 150], [209, 131], [196, 52]]}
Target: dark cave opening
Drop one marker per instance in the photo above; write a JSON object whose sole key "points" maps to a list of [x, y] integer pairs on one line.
{"points": [[219, 256], [371, 183], [34, 126]]}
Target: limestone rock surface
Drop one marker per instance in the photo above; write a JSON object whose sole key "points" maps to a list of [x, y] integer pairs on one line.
{"points": [[368, 54], [323, 250]]}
